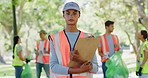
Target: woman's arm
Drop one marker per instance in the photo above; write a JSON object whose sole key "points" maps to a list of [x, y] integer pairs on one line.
{"points": [[85, 67], [54, 63], [94, 65], [145, 57], [20, 55]]}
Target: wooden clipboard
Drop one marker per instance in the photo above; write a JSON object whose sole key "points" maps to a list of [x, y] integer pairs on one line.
{"points": [[86, 48]]}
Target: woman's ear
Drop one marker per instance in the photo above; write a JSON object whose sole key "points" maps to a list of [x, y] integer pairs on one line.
{"points": [[79, 15], [63, 13], [63, 16]]}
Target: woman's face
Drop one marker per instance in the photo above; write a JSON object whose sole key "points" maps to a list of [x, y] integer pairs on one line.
{"points": [[139, 35], [19, 40], [71, 16]]}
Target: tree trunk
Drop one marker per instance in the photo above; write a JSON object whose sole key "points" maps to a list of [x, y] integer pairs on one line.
{"points": [[143, 18], [1, 59], [137, 42], [14, 18], [134, 47]]}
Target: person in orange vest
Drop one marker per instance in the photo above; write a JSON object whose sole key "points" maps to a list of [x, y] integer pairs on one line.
{"points": [[42, 54], [109, 44], [62, 47]]}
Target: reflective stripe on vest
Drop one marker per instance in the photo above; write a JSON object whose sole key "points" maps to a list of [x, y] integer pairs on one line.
{"points": [[83, 75], [45, 57], [17, 61], [105, 46], [62, 49]]}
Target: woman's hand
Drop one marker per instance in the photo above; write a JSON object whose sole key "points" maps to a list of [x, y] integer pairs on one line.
{"points": [[86, 66], [75, 56]]}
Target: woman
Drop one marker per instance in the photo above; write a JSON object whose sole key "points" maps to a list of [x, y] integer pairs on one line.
{"points": [[142, 58], [62, 45], [18, 59]]}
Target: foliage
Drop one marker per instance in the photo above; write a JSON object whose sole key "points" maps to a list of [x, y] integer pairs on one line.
{"points": [[33, 15]]}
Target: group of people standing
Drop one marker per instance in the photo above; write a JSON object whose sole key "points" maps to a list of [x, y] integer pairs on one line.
{"points": [[42, 52], [61, 47]]}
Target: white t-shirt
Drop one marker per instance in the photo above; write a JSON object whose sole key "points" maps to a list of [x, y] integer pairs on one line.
{"points": [[41, 51]]}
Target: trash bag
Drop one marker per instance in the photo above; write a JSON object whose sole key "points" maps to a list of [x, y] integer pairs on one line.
{"points": [[116, 67], [26, 72]]}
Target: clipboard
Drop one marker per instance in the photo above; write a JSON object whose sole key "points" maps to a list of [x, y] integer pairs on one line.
{"points": [[86, 48]]}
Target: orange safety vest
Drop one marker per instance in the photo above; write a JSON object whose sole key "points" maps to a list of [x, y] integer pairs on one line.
{"points": [[45, 57], [62, 49], [105, 46]]}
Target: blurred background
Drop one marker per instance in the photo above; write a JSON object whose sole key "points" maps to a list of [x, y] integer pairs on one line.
{"points": [[130, 16]]}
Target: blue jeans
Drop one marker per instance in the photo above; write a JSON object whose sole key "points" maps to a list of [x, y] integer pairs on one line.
{"points": [[144, 76], [39, 69], [104, 68], [18, 71]]}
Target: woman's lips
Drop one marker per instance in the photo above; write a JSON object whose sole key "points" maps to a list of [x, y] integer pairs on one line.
{"points": [[71, 20]]}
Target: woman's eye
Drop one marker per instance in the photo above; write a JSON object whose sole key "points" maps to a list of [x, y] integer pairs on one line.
{"points": [[67, 13], [74, 13]]}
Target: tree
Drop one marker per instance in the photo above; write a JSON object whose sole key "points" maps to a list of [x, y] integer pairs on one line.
{"points": [[140, 16], [31, 15], [142, 8], [14, 18]]}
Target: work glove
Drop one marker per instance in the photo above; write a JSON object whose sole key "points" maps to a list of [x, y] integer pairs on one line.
{"points": [[139, 72], [27, 60], [13, 56]]}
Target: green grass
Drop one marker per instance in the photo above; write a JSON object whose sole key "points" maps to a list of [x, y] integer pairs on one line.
{"points": [[7, 73], [8, 70]]}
